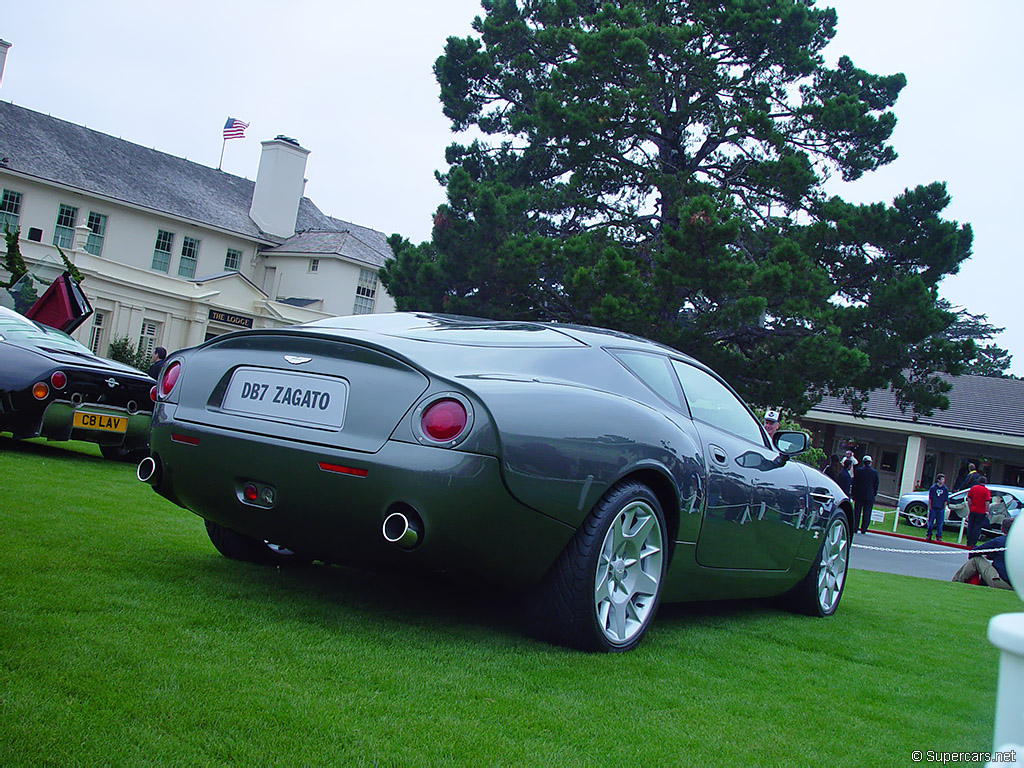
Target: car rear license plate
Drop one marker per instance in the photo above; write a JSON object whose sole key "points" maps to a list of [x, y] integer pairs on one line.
{"points": [[289, 397], [102, 421]]}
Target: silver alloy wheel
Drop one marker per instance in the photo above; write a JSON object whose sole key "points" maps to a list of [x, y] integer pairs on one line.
{"points": [[917, 515], [628, 574], [832, 571]]}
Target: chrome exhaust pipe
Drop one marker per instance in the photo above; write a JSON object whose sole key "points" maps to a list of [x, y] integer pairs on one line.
{"points": [[147, 471], [403, 530]]}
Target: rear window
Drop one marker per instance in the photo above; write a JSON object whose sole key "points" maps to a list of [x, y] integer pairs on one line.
{"points": [[18, 329]]}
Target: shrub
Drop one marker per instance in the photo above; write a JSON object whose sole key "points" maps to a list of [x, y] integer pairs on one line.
{"points": [[123, 351]]}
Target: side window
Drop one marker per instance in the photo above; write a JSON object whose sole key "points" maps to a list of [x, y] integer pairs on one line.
{"points": [[652, 370], [711, 401]]}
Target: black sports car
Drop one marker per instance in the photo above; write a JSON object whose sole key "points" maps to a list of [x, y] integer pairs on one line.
{"points": [[54, 387], [606, 471]]}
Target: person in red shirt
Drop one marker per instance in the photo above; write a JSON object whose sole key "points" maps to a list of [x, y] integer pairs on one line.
{"points": [[978, 500]]}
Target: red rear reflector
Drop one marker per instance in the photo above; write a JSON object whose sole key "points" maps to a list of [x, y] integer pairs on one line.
{"points": [[343, 470], [169, 379], [444, 420], [152, 393], [59, 379], [40, 390], [250, 492], [186, 439]]}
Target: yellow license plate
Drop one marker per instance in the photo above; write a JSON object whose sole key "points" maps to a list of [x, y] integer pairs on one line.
{"points": [[102, 421]]}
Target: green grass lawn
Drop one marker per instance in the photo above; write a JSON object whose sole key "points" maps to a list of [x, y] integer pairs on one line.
{"points": [[126, 639]]}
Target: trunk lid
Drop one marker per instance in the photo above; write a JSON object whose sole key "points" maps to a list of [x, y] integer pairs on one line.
{"points": [[300, 387]]}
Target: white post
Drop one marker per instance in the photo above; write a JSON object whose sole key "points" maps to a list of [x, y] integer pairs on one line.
{"points": [[1006, 632]]}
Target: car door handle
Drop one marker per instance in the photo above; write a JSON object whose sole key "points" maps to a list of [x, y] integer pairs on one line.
{"points": [[718, 455]]}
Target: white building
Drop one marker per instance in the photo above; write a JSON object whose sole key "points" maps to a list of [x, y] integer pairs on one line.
{"points": [[174, 252]]}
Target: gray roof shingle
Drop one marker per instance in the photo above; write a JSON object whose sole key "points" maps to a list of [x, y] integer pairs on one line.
{"points": [[57, 151], [349, 240], [979, 403]]}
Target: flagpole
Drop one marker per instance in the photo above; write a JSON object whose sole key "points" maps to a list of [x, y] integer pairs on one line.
{"points": [[220, 162]]}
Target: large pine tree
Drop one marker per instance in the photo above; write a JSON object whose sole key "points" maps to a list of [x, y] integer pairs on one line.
{"points": [[658, 168]]}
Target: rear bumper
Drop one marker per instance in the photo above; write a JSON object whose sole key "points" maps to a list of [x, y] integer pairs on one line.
{"points": [[57, 423], [471, 524]]}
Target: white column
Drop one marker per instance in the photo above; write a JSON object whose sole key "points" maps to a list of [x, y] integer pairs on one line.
{"points": [[913, 461]]}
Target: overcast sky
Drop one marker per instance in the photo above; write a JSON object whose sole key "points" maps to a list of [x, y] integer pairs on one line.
{"points": [[352, 82]]}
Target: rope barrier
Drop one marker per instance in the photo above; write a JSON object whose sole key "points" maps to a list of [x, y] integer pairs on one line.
{"points": [[943, 551]]}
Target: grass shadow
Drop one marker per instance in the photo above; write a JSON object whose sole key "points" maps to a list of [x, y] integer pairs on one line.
{"points": [[55, 449]]}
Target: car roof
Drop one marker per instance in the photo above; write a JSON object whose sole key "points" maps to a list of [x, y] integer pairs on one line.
{"points": [[483, 332]]}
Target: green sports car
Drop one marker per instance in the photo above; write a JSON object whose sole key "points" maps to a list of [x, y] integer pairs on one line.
{"points": [[600, 471]]}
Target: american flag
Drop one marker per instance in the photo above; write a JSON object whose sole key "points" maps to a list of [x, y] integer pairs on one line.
{"points": [[234, 129]]}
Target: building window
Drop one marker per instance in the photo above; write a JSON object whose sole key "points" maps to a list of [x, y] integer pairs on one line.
{"points": [[233, 260], [147, 339], [96, 335], [10, 210], [162, 251], [889, 461], [64, 231], [189, 256], [314, 265], [366, 292], [97, 226]]}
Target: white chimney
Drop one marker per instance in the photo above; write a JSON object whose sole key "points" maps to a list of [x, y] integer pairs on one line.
{"points": [[4, 45], [280, 182]]}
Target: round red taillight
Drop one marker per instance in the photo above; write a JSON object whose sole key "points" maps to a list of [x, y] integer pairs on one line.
{"points": [[250, 492], [152, 393], [444, 420], [40, 390], [169, 379], [58, 379]]}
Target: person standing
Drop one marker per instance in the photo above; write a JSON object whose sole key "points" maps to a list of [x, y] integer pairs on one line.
{"points": [[978, 500], [159, 358], [845, 478], [848, 456], [865, 488], [970, 479], [938, 499], [771, 423], [833, 468]]}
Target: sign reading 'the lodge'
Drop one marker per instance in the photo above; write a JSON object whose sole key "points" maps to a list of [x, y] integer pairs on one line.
{"points": [[226, 317]]}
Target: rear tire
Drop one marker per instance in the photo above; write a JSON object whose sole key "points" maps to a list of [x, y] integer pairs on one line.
{"points": [[238, 546], [604, 589], [818, 593]]}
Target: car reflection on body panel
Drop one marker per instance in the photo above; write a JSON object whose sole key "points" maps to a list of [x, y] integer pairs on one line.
{"points": [[1007, 500], [51, 386], [601, 472]]}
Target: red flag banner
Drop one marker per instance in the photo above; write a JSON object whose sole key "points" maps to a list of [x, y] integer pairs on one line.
{"points": [[234, 129]]}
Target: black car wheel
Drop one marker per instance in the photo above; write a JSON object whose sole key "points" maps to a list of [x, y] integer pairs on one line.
{"points": [[917, 515], [238, 546], [603, 591], [818, 593]]}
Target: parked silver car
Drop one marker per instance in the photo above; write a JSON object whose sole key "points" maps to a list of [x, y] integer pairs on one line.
{"points": [[1006, 500]]}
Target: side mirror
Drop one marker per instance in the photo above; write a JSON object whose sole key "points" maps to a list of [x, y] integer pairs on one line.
{"points": [[792, 443]]}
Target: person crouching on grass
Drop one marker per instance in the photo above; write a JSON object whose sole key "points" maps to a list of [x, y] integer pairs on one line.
{"points": [[978, 570]]}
